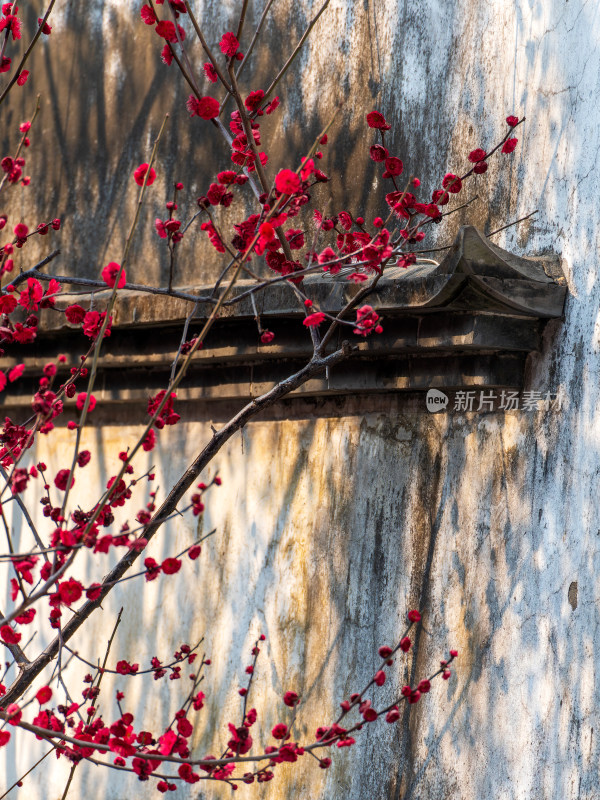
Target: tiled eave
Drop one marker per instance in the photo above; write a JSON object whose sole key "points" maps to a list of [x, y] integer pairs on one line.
{"points": [[470, 321]]}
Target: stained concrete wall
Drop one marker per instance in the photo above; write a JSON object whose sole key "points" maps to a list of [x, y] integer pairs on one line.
{"points": [[104, 92], [331, 525]]}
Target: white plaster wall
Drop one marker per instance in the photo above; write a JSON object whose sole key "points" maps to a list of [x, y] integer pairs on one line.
{"points": [[330, 528]]}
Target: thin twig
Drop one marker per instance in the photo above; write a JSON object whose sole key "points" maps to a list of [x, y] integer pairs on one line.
{"points": [[93, 284], [27, 516], [107, 316], [149, 671], [60, 679], [26, 54], [33, 272], [458, 208], [204, 43], [22, 141], [241, 22], [189, 79], [18, 783], [20, 659], [184, 334], [43, 591], [248, 52], [184, 53], [288, 63], [510, 224], [100, 675]]}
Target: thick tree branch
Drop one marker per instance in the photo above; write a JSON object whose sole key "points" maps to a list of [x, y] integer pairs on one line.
{"points": [[314, 367]]}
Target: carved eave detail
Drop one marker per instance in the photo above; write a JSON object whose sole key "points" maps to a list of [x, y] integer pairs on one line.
{"points": [[470, 321]]}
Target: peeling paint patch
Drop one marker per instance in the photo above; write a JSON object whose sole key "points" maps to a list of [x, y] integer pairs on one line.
{"points": [[572, 595]]}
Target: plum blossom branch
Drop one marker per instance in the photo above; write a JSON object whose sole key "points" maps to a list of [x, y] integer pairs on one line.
{"points": [[325, 738], [107, 315], [315, 366], [366, 248], [101, 285], [27, 52], [104, 669], [22, 140]]}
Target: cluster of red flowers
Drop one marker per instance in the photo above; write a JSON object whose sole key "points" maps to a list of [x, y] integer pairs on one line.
{"points": [[11, 25], [357, 253], [13, 171], [147, 749], [404, 203]]}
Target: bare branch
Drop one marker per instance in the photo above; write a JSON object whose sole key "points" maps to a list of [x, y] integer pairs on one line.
{"points": [[27, 516], [297, 49], [510, 224], [33, 272]]}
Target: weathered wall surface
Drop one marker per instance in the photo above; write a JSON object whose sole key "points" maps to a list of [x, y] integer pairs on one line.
{"points": [[104, 92], [330, 527]]}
